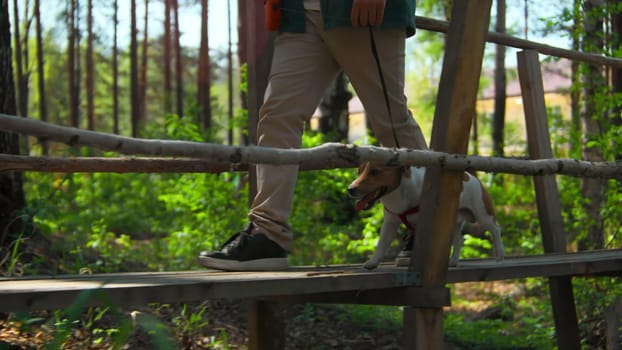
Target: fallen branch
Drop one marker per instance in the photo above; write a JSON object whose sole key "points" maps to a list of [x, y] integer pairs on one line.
{"points": [[331, 153]]}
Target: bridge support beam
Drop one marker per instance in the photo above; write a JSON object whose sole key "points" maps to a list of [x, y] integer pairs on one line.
{"points": [[455, 110], [266, 326]]}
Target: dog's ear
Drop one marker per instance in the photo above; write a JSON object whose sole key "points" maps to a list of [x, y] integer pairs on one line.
{"points": [[406, 171]]}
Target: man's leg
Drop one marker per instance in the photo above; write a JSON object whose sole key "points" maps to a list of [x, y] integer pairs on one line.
{"points": [[302, 68], [359, 63]]}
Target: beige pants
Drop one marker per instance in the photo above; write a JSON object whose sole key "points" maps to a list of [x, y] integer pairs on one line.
{"points": [[303, 66]]}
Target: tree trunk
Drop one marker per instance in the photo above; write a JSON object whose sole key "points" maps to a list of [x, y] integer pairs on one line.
{"points": [[229, 77], [243, 60], [179, 89], [500, 86], [43, 110], [204, 78], [168, 86], [575, 94], [22, 62], [74, 76], [616, 73], [115, 71], [592, 116], [90, 69], [22, 78], [11, 184], [142, 91], [78, 61], [134, 96], [334, 109], [526, 19]]}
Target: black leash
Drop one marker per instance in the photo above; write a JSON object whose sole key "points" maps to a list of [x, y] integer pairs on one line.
{"points": [[374, 51]]}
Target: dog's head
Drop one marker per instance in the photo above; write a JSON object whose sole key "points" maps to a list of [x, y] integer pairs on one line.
{"points": [[374, 181]]}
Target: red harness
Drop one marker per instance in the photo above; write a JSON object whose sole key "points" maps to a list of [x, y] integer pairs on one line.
{"points": [[404, 216]]}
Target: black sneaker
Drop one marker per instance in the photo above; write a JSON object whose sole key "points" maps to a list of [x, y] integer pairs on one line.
{"points": [[403, 257], [246, 252]]}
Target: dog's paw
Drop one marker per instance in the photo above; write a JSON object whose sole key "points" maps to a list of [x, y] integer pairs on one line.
{"points": [[371, 264]]}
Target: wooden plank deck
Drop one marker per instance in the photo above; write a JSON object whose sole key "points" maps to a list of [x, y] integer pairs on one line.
{"points": [[336, 283], [587, 263]]}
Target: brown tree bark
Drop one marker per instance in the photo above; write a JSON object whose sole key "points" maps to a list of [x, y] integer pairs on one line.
{"points": [[498, 125], [11, 185], [21, 54], [168, 85], [616, 73], [72, 64], [334, 109], [575, 94], [243, 60], [204, 76], [593, 190], [134, 96], [43, 110], [229, 77], [179, 88], [526, 19], [115, 71], [90, 69], [142, 91]]}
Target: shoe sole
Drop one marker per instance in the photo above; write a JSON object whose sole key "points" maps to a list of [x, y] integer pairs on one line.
{"points": [[269, 264]]}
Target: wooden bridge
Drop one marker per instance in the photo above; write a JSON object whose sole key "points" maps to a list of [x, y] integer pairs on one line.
{"points": [[387, 285], [421, 287]]}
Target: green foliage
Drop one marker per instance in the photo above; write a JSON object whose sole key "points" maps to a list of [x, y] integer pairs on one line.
{"points": [[188, 322], [78, 317], [10, 264], [207, 209], [323, 217], [496, 334], [372, 316], [592, 297], [131, 220], [514, 199], [128, 222], [158, 326]]}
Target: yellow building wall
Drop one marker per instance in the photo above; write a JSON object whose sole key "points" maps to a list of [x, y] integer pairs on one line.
{"points": [[515, 135]]}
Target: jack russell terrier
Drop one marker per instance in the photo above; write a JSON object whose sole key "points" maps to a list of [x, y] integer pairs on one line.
{"points": [[399, 190]]}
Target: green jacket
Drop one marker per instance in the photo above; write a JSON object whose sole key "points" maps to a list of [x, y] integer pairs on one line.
{"points": [[336, 13]]}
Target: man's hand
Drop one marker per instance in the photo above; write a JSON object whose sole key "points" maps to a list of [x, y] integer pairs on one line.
{"points": [[367, 12]]}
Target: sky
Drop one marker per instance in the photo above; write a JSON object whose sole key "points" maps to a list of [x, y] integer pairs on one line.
{"points": [[218, 21], [190, 21], [190, 18]]}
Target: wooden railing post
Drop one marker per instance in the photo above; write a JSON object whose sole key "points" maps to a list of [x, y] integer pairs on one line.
{"points": [[547, 197], [455, 109]]}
